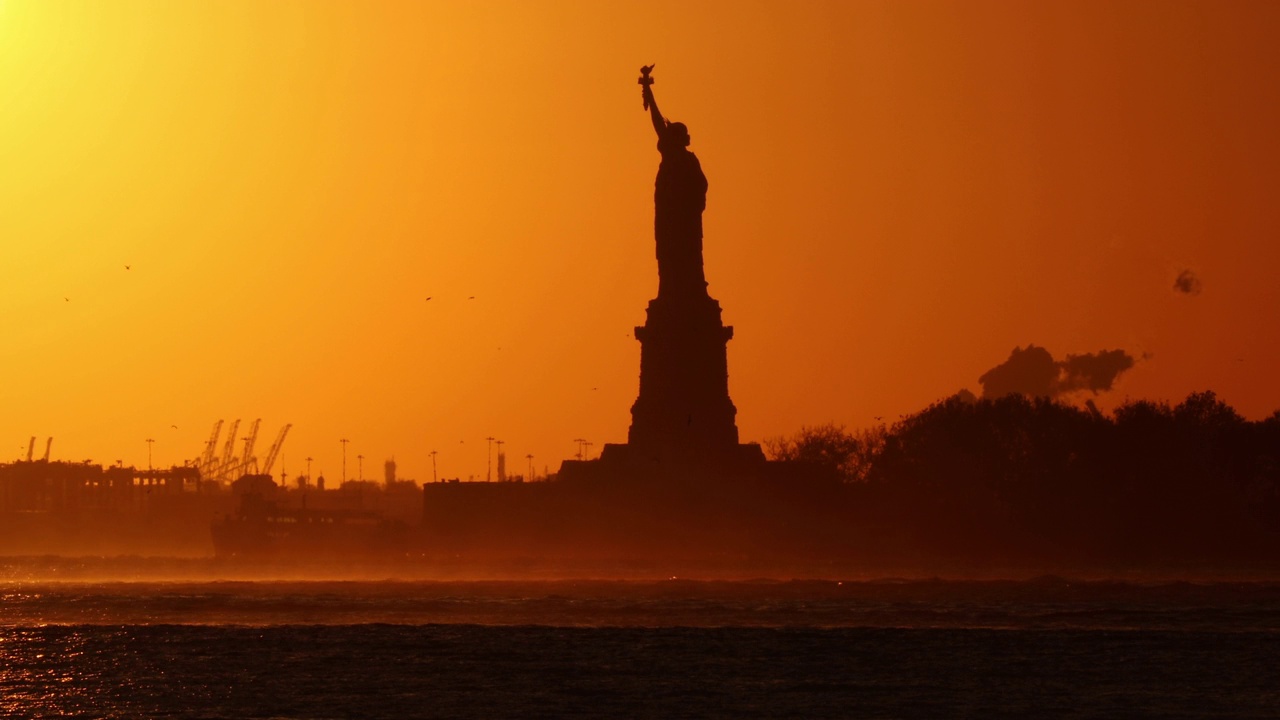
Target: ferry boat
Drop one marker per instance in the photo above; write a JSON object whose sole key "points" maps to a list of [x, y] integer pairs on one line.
{"points": [[261, 527]]}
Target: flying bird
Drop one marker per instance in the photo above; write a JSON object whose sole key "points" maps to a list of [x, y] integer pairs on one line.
{"points": [[128, 267], [428, 297], [473, 297]]}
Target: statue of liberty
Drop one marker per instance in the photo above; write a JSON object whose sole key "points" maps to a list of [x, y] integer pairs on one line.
{"points": [[679, 197]]}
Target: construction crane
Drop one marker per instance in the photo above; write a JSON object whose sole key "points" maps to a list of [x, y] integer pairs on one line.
{"points": [[47, 444], [274, 452], [31, 448], [210, 447], [224, 467], [247, 460]]}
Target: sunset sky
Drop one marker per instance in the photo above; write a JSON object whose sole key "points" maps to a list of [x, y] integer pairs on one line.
{"points": [[231, 209]]}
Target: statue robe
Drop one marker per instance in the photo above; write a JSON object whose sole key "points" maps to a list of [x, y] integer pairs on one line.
{"points": [[680, 196]]}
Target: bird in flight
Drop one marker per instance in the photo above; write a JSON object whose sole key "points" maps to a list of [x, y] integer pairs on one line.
{"points": [[473, 297], [128, 267], [428, 297]]}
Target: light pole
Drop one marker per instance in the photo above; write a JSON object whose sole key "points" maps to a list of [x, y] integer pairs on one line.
{"points": [[360, 466], [488, 468], [149, 441], [588, 446], [579, 442], [529, 477], [344, 442], [433, 466]]}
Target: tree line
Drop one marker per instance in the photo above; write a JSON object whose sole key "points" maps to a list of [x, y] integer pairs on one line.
{"points": [[1036, 480]]}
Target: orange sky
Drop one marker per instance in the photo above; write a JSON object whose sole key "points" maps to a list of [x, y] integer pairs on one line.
{"points": [[901, 193]]}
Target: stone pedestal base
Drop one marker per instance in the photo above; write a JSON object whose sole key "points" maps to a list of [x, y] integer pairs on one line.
{"points": [[683, 408]]}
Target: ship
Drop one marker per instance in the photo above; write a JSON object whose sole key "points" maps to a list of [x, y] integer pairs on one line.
{"points": [[263, 526]]}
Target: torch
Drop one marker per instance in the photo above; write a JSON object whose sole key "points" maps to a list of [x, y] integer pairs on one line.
{"points": [[646, 81]]}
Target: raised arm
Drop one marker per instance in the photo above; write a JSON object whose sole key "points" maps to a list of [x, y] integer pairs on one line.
{"points": [[659, 122], [646, 83]]}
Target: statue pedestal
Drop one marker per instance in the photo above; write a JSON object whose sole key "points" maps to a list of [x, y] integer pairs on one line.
{"points": [[683, 427], [683, 407]]}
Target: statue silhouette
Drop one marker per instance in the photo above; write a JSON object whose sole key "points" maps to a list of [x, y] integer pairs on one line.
{"points": [[680, 196], [683, 427]]}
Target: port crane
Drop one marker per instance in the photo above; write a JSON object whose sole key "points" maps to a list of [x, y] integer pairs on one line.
{"points": [[210, 447], [31, 449], [226, 466], [247, 460], [228, 450], [274, 452]]}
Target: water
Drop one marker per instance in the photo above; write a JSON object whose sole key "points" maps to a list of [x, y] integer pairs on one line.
{"points": [[927, 649]]}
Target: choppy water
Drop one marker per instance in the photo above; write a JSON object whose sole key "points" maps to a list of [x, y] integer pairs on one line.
{"points": [[1046, 648]]}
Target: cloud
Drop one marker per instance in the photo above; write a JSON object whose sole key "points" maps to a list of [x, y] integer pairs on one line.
{"points": [[1187, 283], [1033, 372], [1095, 372]]}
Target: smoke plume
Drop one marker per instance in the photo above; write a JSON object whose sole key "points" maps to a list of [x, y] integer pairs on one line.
{"points": [[1033, 372], [1187, 283]]}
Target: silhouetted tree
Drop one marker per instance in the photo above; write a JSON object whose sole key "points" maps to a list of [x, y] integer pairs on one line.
{"points": [[1034, 479], [830, 447], [1262, 485]]}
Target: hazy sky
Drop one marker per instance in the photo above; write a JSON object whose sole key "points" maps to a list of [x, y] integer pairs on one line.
{"points": [[900, 194]]}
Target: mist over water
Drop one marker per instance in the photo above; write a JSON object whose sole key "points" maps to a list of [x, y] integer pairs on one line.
{"points": [[1045, 603]]}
